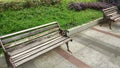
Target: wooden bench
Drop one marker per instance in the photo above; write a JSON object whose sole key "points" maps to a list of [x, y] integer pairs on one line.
{"points": [[110, 15], [25, 45]]}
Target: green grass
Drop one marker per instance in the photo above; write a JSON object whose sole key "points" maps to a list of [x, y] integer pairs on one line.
{"points": [[12, 21]]}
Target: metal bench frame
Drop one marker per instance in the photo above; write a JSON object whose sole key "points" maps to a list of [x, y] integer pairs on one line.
{"points": [[13, 36]]}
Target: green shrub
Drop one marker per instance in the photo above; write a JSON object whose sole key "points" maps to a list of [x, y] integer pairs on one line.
{"points": [[31, 3], [1, 4], [50, 2], [11, 5], [26, 4]]}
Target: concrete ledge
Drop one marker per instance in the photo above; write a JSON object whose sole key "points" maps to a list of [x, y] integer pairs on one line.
{"points": [[83, 27]]}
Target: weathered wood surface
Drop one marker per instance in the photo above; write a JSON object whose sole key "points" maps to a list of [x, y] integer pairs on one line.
{"points": [[113, 7], [27, 30], [33, 44], [27, 34], [111, 15], [110, 12], [25, 45], [29, 38], [39, 47], [42, 52]]}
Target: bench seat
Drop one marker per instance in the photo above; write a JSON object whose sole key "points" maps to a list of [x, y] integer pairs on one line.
{"points": [[36, 51], [23, 46]]}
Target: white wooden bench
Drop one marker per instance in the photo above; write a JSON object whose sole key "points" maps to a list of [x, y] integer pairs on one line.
{"points": [[25, 45], [110, 15]]}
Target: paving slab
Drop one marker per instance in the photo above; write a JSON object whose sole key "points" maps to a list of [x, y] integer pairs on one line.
{"points": [[49, 60], [74, 46], [2, 62], [103, 37], [95, 59], [94, 55], [115, 28]]}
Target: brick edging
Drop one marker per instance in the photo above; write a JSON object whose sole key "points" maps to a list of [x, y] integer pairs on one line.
{"points": [[71, 58]]}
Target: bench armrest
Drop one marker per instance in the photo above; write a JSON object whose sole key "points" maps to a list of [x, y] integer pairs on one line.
{"points": [[0, 46], [118, 11], [64, 32]]}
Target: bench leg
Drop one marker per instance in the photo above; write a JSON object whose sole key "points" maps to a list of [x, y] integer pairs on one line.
{"points": [[101, 22], [68, 47], [110, 25], [9, 65]]}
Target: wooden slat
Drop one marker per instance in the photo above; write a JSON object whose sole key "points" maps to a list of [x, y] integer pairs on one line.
{"points": [[33, 45], [22, 54], [117, 19], [41, 38], [7, 40], [12, 34], [112, 14], [42, 52], [32, 41], [113, 7], [114, 17], [104, 10], [112, 10], [29, 38]]}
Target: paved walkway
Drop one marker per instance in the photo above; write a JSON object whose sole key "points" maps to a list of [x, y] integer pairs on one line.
{"points": [[97, 47]]}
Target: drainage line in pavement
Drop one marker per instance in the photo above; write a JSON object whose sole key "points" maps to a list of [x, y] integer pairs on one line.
{"points": [[71, 58], [105, 32]]}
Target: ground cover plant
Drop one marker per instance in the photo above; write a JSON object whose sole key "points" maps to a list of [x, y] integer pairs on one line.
{"points": [[18, 5], [12, 21], [78, 6]]}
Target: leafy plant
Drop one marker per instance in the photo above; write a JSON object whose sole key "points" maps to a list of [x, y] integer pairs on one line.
{"points": [[50, 2], [26, 4]]}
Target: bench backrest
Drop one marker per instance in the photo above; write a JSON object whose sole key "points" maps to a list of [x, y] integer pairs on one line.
{"points": [[110, 10], [17, 38]]}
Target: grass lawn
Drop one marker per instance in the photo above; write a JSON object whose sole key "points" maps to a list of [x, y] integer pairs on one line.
{"points": [[12, 21]]}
